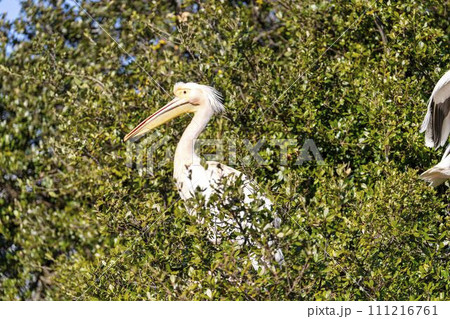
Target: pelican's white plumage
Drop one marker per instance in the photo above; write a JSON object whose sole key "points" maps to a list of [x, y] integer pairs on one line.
{"points": [[436, 124], [440, 172], [190, 175]]}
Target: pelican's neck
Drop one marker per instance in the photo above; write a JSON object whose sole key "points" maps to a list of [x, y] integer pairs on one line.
{"points": [[185, 152]]}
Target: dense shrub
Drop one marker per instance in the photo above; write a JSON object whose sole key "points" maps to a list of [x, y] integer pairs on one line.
{"points": [[78, 222]]}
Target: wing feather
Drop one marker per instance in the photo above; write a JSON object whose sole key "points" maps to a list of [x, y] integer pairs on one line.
{"points": [[440, 126], [436, 124]]}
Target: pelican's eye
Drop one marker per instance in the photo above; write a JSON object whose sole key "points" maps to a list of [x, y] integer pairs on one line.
{"points": [[184, 92]]}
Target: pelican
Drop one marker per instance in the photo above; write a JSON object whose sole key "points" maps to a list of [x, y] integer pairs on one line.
{"points": [[436, 124], [190, 175]]}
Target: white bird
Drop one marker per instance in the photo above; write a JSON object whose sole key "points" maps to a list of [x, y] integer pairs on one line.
{"points": [[440, 172], [189, 174], [436, 124]]}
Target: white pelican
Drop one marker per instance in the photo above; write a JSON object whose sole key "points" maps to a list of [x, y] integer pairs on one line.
{"points": [[436, 124], [204, 101]]}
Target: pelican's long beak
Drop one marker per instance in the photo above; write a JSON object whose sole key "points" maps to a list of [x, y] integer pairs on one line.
{"points": [[174, 108]]}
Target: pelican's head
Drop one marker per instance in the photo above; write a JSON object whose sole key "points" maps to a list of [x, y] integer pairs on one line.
{"points": [[189, 98]]}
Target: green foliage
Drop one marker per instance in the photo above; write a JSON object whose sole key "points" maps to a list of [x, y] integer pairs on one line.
{"points": [[76, 222]]}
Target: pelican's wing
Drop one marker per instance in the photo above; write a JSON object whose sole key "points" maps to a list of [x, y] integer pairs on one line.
{"points": [[218, 171], [436, 124], [440, 172], [214, 180], [436, 175], [209, 180]]}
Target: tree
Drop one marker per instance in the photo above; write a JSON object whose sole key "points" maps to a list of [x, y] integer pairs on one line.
{"points": [[77, 222]]}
